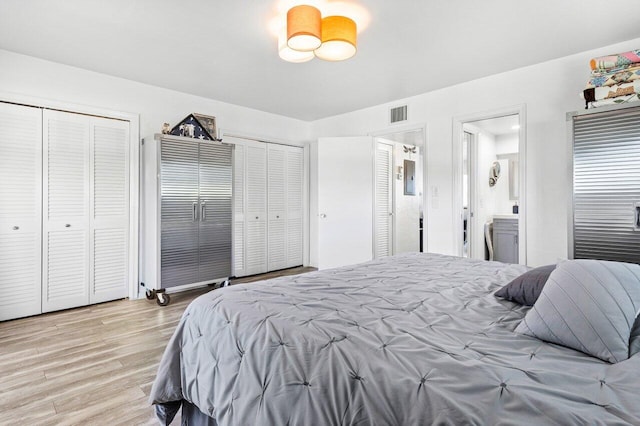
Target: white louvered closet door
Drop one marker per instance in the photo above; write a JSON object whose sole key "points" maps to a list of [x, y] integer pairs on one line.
{"points": [[384, 201], [20, 209], [66, 210], [295, 206], [256, 208], [239, 159], [109, 209], [277, 206]]}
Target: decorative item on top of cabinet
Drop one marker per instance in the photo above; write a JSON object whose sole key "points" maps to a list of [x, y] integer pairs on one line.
{"points": [[196, 126]]}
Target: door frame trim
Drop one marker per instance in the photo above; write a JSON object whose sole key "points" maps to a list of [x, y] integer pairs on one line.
{"points": [[457, 134], [472, 159], [400, 128]]}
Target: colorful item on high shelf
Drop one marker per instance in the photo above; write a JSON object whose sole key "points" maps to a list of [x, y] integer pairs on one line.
{"points": [[613, 77], [613, 61], [613, 101], [609, 92]]}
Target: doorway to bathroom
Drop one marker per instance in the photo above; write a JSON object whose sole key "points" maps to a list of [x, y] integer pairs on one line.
{"points": [[490, 215]]}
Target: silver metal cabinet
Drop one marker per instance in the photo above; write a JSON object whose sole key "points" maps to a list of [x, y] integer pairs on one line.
{"points": [[186, 213], [505, 240], [605, 219]]}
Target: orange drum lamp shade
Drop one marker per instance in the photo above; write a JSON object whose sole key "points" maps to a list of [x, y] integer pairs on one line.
{"points": [[338, 39], [304, 25], [288, 54]]}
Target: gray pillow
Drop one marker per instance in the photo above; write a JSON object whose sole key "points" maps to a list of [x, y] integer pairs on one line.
{"points": [[634, 341], [526, 288], [588, 305]]}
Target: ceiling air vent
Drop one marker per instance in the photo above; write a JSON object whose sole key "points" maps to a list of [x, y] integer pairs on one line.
{"points": [[398, 114]]}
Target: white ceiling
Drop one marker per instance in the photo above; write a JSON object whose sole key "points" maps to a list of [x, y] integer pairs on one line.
{"points": [[499, 126], [225, 50]]}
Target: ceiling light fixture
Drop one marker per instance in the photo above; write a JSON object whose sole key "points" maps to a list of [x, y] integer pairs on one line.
{"points": [[304, 25], [307, 34], [288, 54], [338, 39]]}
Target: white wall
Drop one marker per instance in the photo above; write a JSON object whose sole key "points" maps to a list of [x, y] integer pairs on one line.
{"points": [[549, 90], [507, 144], [502, 203], [486, 195], [29, 76]]}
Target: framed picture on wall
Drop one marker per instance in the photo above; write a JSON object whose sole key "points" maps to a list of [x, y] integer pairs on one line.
{"points": [[409, 177], [209, 124]]}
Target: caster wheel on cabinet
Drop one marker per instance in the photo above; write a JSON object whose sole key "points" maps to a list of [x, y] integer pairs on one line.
{"points": [[163, 299], [150, 294]]}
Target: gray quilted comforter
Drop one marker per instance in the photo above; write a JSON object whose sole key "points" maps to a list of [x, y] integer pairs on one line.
{"points": [[414, 339]]}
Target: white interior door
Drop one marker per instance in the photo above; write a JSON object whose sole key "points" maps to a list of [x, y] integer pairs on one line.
{"points": [[66, 210], [256, 208], [345, 201], [384, 200], [238, 192], [109, 209], [295, 206], [277, 206], [20, 210]]}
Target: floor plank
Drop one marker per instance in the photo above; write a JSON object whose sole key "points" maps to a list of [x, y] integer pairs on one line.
{"points": [[90, 365]]}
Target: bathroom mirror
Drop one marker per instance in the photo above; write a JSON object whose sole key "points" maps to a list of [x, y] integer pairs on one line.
{"points": [[514, 171]]}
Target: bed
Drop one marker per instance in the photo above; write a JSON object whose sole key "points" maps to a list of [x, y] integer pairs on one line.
{"points": [[412, 339]]}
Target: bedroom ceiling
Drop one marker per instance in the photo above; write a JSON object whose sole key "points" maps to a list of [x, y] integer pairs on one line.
{"points": [[499, 126], [225, 50]]}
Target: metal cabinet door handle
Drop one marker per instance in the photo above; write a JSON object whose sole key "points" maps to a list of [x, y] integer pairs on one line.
{"points": [[15, 228], [638, 217], [322, 215], [203, 211], [194, 212], [68, 225]]}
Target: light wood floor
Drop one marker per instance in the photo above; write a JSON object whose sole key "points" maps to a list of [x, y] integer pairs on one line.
{"points": [[91, 365]]}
